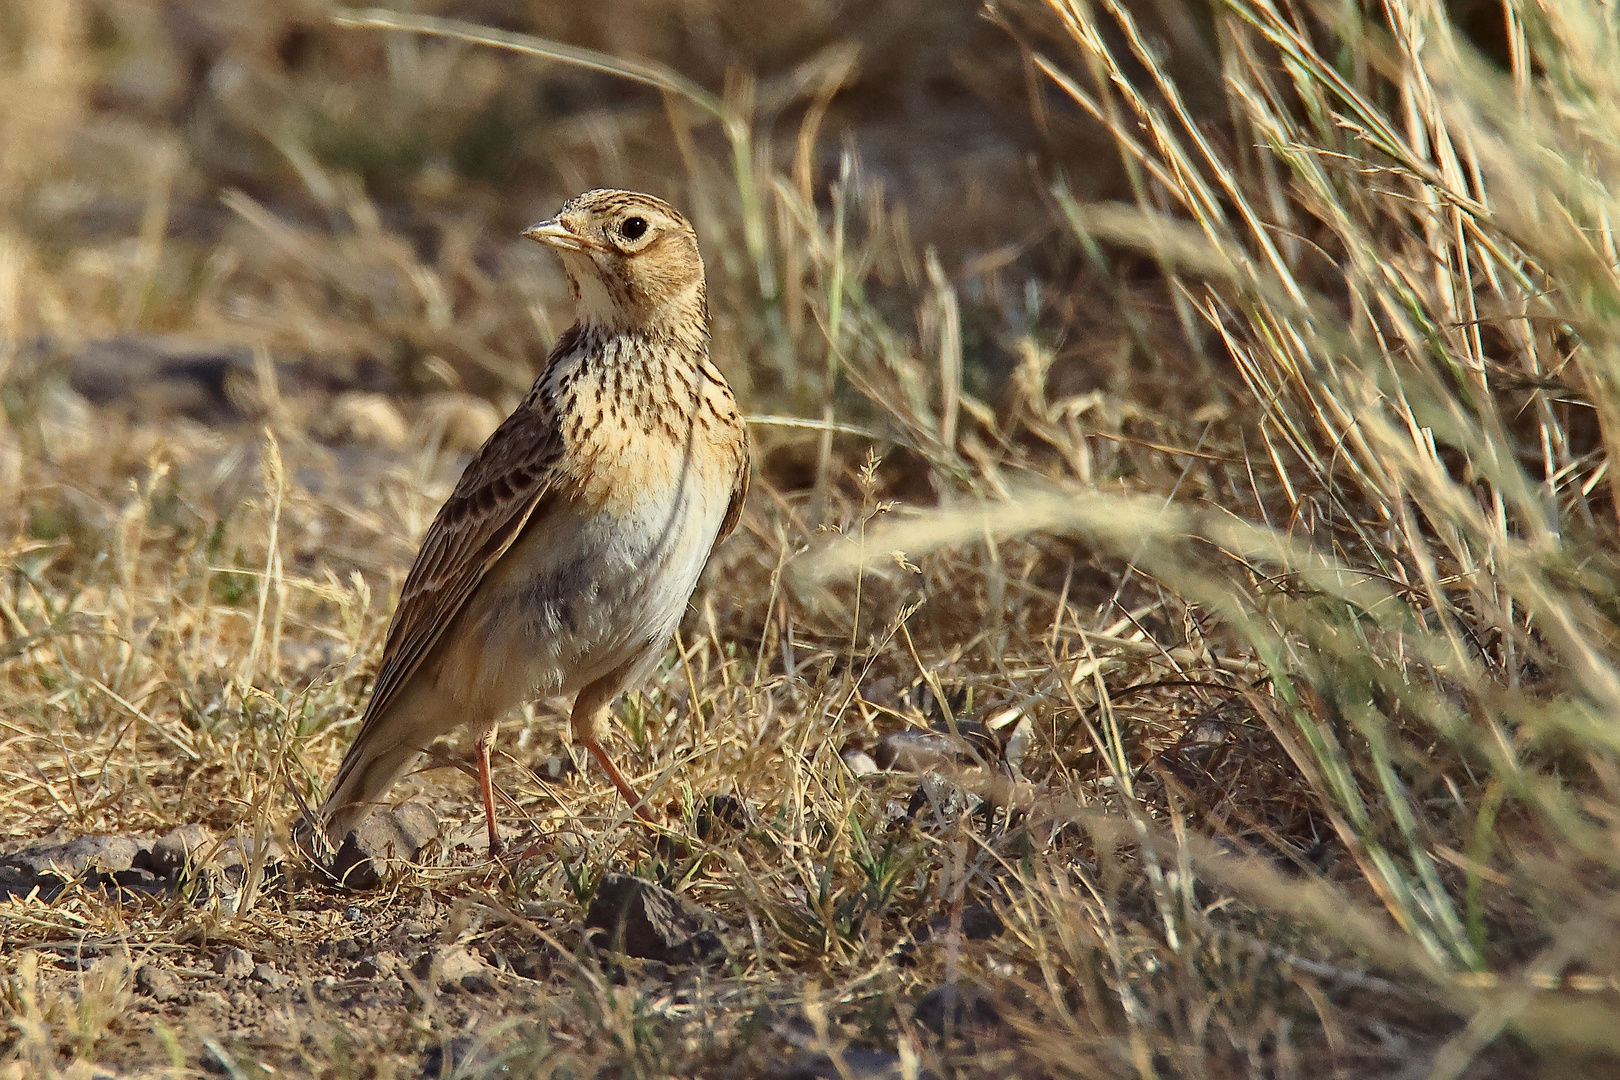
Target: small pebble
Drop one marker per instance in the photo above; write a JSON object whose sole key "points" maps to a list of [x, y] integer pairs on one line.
{"points": [[234, 963], [352, 914], [158, 984], [269, 976], [859, 762]]}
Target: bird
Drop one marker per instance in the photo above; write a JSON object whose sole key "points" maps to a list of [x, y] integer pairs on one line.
{"points": [[565, 557]]}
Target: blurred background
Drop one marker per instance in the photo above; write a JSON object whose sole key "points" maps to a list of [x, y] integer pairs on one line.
{"points": [[250, 175]]}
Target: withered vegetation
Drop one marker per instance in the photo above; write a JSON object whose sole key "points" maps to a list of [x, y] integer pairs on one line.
{"points": [[1188, 423]]}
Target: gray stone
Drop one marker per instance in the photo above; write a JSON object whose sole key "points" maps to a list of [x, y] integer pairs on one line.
{"points": [[917, 751], [383, 843], [452, 967], [376, 966], [939, 750], [240, 852], [851, 1065], [158, 983], [959, 1010], [50, 866], [161, 375], [180, 846], [269, 976], [234, 963], [644, 920]]}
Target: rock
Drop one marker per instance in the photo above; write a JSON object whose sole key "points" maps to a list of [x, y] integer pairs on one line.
{"points": [[452, 967], [383, 843], [918, 751], [956, 1010], [720, 810], [51, 866], [158, 983], [457, 1058], [377, 966], [644, 920], [979, 923], [234, 963], [851, 1065], [859, 762], [180, 846], [161, 375], [139, 882], [269, 976], [240, 851], [556, 768]]}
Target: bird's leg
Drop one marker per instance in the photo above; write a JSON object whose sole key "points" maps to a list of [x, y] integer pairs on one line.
{"points": [[486, 788], [589, 724]]}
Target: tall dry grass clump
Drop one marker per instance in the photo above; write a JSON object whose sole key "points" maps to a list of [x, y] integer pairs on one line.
{"points": [[1407, 253]]}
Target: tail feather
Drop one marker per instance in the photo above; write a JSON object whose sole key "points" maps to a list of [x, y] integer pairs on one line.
{"points": [[368, 771], [382, 753]]}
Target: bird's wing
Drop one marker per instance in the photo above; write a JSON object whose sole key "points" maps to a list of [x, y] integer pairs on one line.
{"points": [[739, 492], [492, 502]]}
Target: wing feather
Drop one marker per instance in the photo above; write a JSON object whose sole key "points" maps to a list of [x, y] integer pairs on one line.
{"points": [[739, 492], [493, 500]]}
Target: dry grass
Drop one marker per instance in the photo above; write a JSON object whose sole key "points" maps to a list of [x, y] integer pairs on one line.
{"points": [[1261, 519]]}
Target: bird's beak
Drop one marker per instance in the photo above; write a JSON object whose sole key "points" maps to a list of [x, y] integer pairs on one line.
{"points": [[554, 233]]}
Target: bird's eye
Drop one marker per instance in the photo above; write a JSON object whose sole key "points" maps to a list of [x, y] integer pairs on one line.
{"points": [[633, 228]]}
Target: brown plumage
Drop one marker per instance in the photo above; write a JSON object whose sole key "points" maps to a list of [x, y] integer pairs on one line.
{"points": [[562, 562]]}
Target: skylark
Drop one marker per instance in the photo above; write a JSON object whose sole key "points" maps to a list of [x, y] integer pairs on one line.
{"points": [[564, 560]]}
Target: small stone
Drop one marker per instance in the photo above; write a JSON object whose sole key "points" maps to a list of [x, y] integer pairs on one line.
{"points": [[241, 852], [158, 983], [979, 923], [720, 810], [453, 967], [956, 1009], [851, 1065], [107, 853], [916, 752], [352, 914], [859, 762], [49, 867], [383, 843], [376, 966], [138, 882], [555, 768], [234, 963], [648, 921], [269, 976], [180, 846]]}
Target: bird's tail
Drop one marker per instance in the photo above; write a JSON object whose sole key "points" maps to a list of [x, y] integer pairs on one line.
{"points": [[381, 754]]}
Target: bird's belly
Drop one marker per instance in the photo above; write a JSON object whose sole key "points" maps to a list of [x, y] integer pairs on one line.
{"points": [[585, 592]]}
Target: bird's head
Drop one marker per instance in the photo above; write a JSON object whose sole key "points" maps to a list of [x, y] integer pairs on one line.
{"points": [[631, 260]]}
